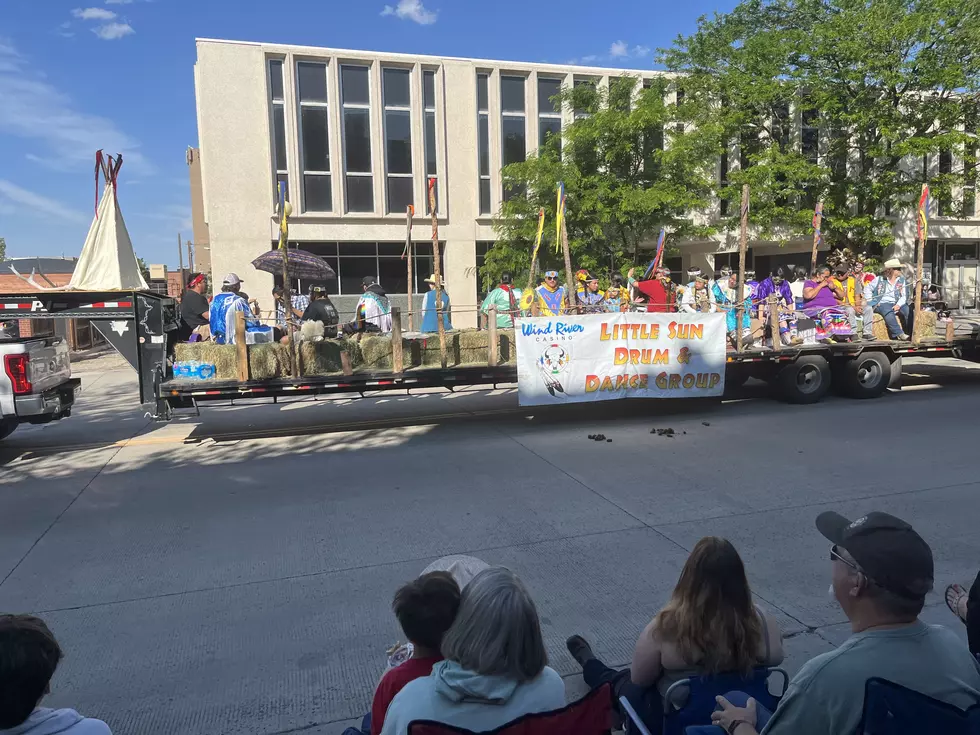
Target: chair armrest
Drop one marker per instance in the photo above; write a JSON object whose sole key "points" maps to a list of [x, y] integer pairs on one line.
{"points": [[634, 719]]}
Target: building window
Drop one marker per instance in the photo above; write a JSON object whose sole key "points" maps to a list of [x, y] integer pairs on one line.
{"points": [[381, 260], [944, 200], [549, 115], [482, 248], [586, 102], [397, 96], [277, 96], [513, 125], [429, 126], [356, 100], [653, 139], [314, 140], [483, 123]]}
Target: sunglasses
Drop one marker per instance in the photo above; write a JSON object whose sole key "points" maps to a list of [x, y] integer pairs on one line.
{"points": [[835, 556], [551, 278]]}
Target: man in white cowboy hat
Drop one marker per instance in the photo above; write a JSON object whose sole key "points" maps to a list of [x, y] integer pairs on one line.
{"points": [[430, 320], [887, 295]]}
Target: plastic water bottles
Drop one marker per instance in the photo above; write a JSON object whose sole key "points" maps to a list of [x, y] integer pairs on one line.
{"points": [[193, 370]]}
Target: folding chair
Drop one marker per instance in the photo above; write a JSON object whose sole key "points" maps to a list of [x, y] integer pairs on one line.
{"points": [[591, 715], [696, 709], [891, 709]]}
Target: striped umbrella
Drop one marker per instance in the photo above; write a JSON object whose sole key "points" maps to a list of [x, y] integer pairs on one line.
{"points": [[301, 264]]}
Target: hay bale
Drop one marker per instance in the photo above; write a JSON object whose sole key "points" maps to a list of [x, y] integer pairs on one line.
{"points": [[322, 358], [928, 321], [374, 352]]}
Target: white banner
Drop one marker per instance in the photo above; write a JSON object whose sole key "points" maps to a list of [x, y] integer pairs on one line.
{"points": [[602, 357]]}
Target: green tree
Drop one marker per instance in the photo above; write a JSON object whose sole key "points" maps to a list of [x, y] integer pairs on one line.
{"points": [[144, 269], [622, 182], [886, 82], [3, 248]]}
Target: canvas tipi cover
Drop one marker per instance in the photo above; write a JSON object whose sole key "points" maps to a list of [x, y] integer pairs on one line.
{"points": [[107, 262]]}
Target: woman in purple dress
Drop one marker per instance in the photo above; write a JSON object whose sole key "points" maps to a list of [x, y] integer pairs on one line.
{"points": [[820, 303]]}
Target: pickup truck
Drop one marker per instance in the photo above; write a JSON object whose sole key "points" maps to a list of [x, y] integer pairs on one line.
{"points": [[35, 382]]}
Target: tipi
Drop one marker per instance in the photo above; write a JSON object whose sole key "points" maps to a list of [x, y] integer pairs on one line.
{"points": [[107, 262]]}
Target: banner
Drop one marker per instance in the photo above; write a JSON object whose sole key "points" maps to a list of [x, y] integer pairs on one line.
{"points": [[602, 357]]}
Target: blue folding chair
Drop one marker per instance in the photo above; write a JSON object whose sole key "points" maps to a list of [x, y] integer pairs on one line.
{"points": [[891, 709], [691, 701]]}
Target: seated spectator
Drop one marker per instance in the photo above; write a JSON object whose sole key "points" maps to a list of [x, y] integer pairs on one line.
{"points": [[777, 286], [682, 641], [425, 608], [321, 309], [29, 655], [881, 570], [966, 606], [298, 304], [888, 295], [796, 287], [373, 311], [195, 312], [821, 298], [223, 308], [496, 666]]}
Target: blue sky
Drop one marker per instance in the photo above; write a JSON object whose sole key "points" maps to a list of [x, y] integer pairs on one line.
{"points": [[80, 75]]}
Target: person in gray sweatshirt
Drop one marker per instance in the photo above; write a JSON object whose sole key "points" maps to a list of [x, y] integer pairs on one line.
{"points": [[29, 655], [495, 667]]}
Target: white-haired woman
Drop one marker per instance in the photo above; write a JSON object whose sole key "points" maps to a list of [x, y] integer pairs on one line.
{"points": [[496, 666]]}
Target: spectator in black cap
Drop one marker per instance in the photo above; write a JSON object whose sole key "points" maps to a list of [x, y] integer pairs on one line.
{"points": [[881, 570]]}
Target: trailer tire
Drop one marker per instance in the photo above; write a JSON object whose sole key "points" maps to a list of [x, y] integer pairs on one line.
{"points": [[867, 375], [7, 428], [895, 381], [804, 381]]}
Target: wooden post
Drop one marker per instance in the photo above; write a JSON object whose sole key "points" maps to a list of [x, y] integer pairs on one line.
{"points": [[773, 303], [437, 267], [241, 347], [397, 356], [817, 221], [345, 363], [180, 254], [917, 316], [743, 242], [409, 252], [950, 330], [571, 288], [493, 346]]}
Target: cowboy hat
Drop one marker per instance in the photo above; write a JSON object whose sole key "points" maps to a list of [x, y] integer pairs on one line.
{"points": [[432, 279], [892, 263]]}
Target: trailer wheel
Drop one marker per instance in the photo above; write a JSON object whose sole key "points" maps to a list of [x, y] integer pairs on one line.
{"points": [[895, 381], [805, 381], [7, 428], [867, 375]]}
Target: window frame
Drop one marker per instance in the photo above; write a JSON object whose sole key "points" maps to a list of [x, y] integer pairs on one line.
{"points": [[484, 179], [278, 174], [430, 112], [344, 107], [407, 111], [511, 115], [549, 116], [325, 105]]}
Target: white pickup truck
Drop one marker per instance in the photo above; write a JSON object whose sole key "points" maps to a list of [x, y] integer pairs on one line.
{"points": [[35, 381]]}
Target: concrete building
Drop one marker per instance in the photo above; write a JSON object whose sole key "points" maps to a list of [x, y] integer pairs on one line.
{"points": [[354, 135]]}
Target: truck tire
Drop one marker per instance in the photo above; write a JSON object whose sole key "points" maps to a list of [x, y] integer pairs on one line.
{"points": [[7, 428], [867, 375], [805, 381], [895, 382]]}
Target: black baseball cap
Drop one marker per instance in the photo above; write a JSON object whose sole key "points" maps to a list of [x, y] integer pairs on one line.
{"points": [[887, 549], [369, 280]]}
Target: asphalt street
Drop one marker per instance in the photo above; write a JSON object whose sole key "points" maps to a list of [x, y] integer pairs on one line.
{"points": [[233, 572]]}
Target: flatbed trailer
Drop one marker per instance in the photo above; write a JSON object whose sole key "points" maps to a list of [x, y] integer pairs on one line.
{"points": [[139, 326]]}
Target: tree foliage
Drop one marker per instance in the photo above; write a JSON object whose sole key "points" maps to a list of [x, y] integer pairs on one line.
{"points": [[622, 182], [886, 82], [3, 249]]}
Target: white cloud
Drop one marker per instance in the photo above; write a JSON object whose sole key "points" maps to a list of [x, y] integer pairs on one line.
{"points": [[619, 49], [93, 14], [112, 31], [412, 10], [37, 204], [640, 51], [66, 138], [118, 2], [590, 59]]}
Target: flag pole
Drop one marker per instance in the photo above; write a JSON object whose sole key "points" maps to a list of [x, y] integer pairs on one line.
{"points": [[743, 241], [919, 257], [409, 212], [817, 222], [437, 267]]}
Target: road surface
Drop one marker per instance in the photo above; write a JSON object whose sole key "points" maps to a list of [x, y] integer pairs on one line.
{"points": [[233, 573]]}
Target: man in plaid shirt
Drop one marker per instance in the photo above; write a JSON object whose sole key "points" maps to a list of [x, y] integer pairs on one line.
{"points": [[298, 304]]}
